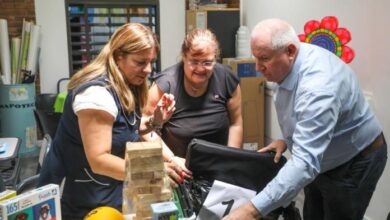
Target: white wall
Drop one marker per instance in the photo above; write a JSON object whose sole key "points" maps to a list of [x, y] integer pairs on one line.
{"points": [[368, 24], [53, 58], [54, 64], [172, 30]]}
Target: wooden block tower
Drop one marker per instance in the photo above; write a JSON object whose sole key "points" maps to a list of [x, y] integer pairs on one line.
{"points": [[146, 181]]}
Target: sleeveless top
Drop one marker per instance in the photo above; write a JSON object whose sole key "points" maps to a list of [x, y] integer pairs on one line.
{"points": [[83, 189], [205, 117]]}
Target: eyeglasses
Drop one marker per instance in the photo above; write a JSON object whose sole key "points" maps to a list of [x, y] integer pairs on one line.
{"points": [[205, 64]]}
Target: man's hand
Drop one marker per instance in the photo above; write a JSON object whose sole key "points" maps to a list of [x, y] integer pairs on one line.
{"points": [[277, 146], [244, 212]]}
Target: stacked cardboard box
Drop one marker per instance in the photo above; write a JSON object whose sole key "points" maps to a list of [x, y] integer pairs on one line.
{"points": [[242, 67], [252, 96], [146, 182]]}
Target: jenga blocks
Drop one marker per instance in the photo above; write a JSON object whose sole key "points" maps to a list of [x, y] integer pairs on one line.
{"points": [[146, 182]]}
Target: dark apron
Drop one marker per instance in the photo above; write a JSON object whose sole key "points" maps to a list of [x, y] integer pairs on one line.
{"points": [[83, 189]]}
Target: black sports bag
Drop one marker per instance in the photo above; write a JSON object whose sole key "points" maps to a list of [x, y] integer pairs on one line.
{"points": [[249, 169]]}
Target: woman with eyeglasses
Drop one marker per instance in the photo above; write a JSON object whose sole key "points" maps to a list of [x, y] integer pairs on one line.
{"points": [[102, 112], [207, 95]]}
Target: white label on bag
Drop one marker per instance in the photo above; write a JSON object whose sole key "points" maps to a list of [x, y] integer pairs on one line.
{"points": [[222, 199]]}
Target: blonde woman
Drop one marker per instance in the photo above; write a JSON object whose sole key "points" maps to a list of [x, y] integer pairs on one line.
{"points": [[102, 112]]}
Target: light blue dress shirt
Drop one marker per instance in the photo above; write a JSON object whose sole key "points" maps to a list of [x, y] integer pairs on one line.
{"points": [[324, 120]]}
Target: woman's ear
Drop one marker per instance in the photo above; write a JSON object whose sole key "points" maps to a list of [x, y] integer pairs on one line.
{"points": [[118, 55]]}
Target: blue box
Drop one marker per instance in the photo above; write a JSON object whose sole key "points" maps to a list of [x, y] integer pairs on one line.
{"points": [[164, 211], [247, 70], [242, 67]]}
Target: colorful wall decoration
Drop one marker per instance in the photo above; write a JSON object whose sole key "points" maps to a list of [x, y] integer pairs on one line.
{"points": [[327, 34]]}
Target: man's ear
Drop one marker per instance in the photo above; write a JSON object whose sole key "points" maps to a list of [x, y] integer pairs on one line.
{"points": [[292, 51]]}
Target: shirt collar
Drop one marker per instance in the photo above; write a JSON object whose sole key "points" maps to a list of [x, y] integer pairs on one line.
{"points": [[292, 78]]}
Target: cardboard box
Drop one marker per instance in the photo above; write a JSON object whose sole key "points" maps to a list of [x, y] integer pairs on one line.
{"points": [[242, 67], [164, 210], [30, 205], [252, 97]]}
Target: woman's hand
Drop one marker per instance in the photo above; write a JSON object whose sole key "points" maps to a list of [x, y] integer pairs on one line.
{"points": [[175, 168], [277, 146], [164, 109]]}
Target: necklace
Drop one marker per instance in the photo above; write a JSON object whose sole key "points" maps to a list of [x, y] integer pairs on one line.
{"points": [[126, 116], [194, 89], [135, 116], [134, 113], [198, 91]]}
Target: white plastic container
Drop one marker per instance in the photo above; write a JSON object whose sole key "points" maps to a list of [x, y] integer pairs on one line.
{"points": [[242, 43]]}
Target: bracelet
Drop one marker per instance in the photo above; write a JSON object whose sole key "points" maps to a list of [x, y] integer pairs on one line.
{"points": [[151, 124]]}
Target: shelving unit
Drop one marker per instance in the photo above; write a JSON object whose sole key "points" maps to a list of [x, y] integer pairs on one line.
{"points": [[90, 24]]}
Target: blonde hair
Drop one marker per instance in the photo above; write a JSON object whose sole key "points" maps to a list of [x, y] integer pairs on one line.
{"points": [[130, 38], [194, 37]]}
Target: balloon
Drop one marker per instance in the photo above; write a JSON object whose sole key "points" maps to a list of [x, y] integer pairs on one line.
{"points": [[104, 213]]}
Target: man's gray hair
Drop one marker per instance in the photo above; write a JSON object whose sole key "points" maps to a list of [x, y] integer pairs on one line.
{"points": [[281, 38], [281, 33]]}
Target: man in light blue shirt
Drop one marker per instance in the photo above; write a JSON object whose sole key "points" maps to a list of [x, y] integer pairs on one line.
{"points": [[337, 146]]}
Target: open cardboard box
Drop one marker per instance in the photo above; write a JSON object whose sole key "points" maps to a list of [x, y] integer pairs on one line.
{"points": [[253, 94]]}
